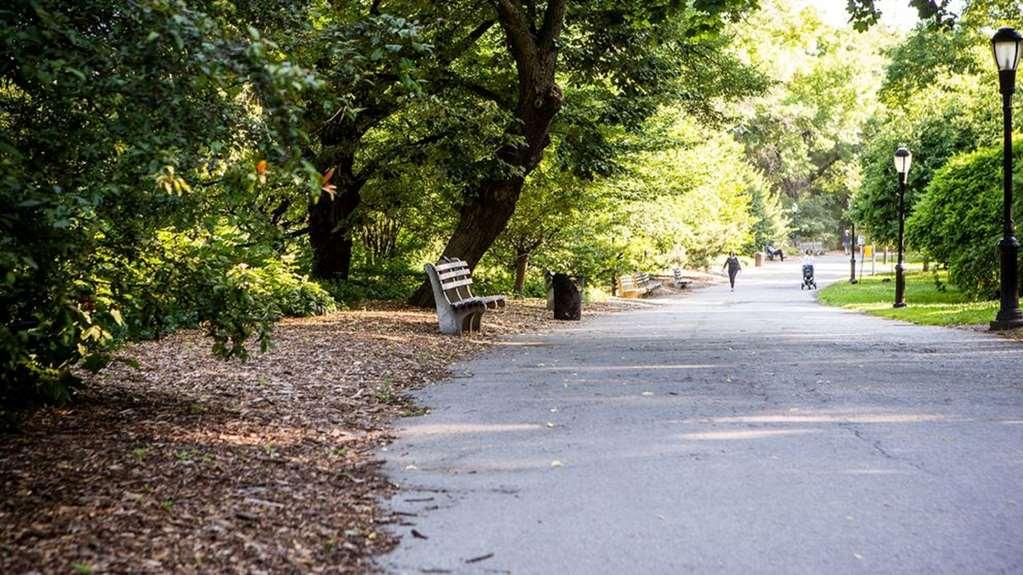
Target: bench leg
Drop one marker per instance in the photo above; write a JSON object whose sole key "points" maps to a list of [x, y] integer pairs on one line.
{"points": [[476, 321]]}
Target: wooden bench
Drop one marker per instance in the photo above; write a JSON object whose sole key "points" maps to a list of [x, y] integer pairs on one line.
{"points": [[680, 281], [458, 310], [638, 284]]}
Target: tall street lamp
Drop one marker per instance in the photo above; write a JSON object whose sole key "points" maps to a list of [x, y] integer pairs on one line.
{"points": [[903, 159], [1006, 47], [852, 255]]}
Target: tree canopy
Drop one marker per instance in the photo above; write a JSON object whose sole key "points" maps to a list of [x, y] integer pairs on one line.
{"points": [[178, 163]]}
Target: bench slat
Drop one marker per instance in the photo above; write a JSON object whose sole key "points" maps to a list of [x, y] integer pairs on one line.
{"points": [[449, 265], [453, 274], [470, 302], [455, 284]]}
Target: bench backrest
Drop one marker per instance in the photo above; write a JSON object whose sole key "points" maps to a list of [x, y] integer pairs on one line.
{"points": [[627, 282], [465, 291], [642, 278], [455, 279]]}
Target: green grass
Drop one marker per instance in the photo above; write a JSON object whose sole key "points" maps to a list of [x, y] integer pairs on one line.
{"points": [[926, 304]]}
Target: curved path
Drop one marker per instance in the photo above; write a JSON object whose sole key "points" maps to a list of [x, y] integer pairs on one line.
{"points": [[754, 431]]}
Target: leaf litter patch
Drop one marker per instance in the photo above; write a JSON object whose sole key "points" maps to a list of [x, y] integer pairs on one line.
{"points": [[190, 464]]}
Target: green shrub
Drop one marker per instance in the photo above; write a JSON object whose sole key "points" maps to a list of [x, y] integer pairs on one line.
{"points": [[110, 113], [958, 220], [211, 278], [392, 279]]}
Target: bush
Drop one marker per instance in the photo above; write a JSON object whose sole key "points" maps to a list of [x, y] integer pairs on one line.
{"points": [[206, 278], [107, 111], [958, 221], [210, 278], [392, 279]]}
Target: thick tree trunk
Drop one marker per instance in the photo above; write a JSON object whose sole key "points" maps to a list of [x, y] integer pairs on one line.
{"points": [[521, 265], [486, 210], [330, 220], [481, 219]]}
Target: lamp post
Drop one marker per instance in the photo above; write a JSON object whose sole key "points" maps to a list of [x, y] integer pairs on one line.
{"points": [[852, 256], [903, 159], [1005, 45]]}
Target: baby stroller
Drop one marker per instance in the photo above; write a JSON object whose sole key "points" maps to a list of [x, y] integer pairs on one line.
{"points": [[808, 281]]}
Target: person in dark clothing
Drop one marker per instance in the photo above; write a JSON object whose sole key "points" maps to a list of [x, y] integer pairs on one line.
{"points": [[733, 266]]}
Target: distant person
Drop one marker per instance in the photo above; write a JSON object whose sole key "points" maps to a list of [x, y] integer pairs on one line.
{"points": [[846, 241], [808, 258], [733, 266]]}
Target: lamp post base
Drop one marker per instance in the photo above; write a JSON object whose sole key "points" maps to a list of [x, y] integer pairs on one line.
{"points": [[900, 283], [1009, 315]]}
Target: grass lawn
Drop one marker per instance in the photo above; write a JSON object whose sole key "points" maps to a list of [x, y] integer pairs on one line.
{"points": [[926, 304]]}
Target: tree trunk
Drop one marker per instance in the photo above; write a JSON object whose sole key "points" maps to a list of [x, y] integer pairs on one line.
{"points": [[330, 217], [521, 265], [486, 210]]}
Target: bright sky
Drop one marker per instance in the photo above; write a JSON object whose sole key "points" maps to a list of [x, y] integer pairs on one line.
{"points": [[895, 13]]}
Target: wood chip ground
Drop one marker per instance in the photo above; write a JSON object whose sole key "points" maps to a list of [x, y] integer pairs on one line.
{"points": [[191, 464]]}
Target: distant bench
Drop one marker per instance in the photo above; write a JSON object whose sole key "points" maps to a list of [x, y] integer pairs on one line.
{"points": [[458, 310], [638, 284]]}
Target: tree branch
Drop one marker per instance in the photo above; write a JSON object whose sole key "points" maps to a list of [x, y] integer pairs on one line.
{"points": [[453, 80], [553, 20], [370, 168], [278, 213], [463, 46], [516, 28]]}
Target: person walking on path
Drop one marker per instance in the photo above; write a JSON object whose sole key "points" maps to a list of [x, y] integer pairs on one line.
{"points": [[733, 266]]}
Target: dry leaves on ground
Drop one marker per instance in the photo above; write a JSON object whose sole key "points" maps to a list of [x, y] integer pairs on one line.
{"points": [[192, 464]]}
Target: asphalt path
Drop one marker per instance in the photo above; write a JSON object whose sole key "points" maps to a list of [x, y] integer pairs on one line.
{"points": [[720, 432]]}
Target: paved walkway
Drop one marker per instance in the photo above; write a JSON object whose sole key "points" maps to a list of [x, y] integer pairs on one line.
{"points": [[746, 432]]}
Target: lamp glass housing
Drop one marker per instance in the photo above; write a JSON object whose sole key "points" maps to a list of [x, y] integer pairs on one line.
{"points": [[903, 159], [1005, 45]]}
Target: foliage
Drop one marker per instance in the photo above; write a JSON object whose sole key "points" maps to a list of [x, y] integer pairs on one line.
{"points": [[209, 277], [805, 135], [683, 197], [169, 164], [935, 119], [958, 220], [112, 117]]}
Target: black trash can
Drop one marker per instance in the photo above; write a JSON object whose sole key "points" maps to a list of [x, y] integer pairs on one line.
{"points": [[568, 296]]}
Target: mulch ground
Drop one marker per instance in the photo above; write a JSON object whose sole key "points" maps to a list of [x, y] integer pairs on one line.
{"points": [[186, 463]]}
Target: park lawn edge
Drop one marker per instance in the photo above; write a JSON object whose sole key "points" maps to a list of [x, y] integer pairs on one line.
{"points": [[927, 304]]}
